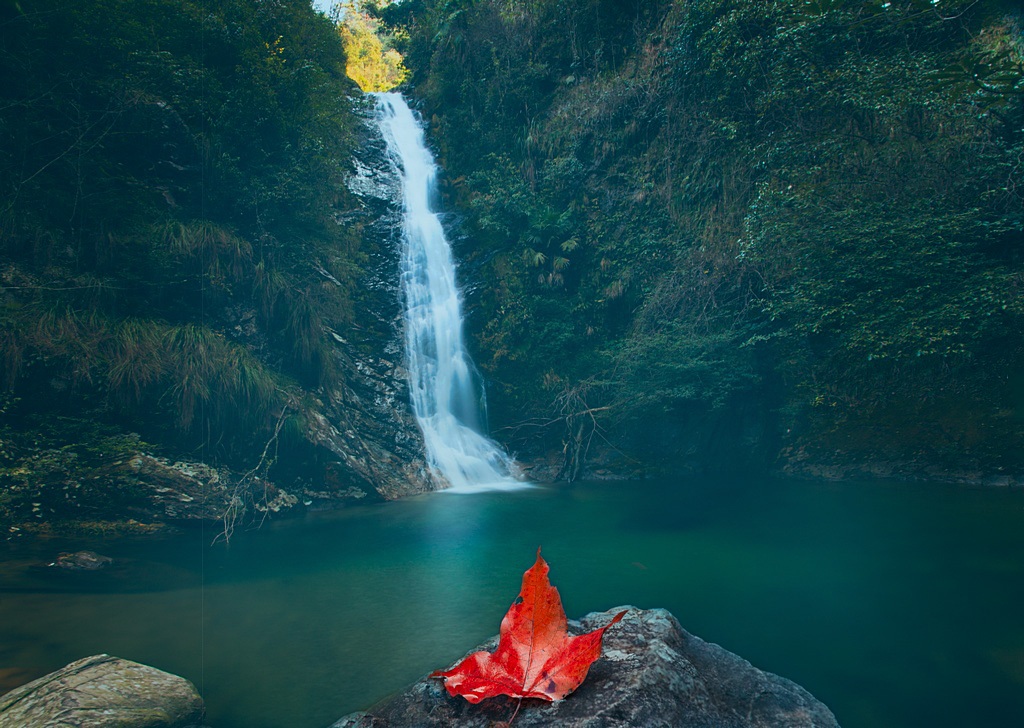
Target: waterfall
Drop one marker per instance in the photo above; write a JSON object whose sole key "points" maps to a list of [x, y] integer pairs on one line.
{"points": [[446, 397]]}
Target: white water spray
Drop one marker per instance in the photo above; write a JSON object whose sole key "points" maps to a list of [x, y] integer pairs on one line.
{"points": [[445, 398]]}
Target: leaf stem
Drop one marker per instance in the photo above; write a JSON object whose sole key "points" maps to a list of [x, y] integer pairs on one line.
{"points": [[518, 706]]}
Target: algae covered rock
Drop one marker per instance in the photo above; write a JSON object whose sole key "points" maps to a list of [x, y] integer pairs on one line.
{"points": [[104, 692]]}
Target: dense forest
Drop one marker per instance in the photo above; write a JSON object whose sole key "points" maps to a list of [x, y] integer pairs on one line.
{"points": [[769, 235], [739, 234], [180, 255]]}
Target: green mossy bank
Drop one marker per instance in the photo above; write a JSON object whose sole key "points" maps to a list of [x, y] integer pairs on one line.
{"points": [[185, 317], [740, 234]]}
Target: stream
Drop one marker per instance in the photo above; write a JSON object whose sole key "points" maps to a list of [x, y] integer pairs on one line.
{"points": [[895, 604]]}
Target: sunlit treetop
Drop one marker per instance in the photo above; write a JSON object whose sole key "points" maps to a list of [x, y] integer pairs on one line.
{"points": [[373, 62]]}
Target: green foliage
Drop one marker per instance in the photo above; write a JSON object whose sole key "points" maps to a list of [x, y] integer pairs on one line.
{"points": [[809, 209], [171, 173], [182, 370], [373, 61]]}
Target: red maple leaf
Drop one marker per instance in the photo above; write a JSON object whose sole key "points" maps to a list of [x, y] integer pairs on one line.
{"points": [[536, 656]]}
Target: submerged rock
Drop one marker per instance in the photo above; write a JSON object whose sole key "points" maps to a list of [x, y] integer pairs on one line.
{"points": [[103, 692], [82, 561], [652, 673]]}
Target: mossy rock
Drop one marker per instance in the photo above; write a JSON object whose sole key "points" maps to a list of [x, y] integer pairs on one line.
{"points": [[104, 692]]}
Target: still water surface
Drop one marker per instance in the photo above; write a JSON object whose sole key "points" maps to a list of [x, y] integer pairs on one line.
{"points": [[897, 605]]}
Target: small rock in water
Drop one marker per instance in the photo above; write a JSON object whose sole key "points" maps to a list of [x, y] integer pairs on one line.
{"points": [[82, 561]]}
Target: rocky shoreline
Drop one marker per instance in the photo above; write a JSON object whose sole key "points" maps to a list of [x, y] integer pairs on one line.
{"points": [[916, 472], [167, 493], [546, 468], [652, 673]]}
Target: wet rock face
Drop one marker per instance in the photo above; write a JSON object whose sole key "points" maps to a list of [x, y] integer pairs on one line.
{"points": [[652, 673], [103, 692], [366, 422]]}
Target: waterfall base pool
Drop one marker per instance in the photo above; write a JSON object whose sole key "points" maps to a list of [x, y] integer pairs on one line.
{"points": [[895, 604]]}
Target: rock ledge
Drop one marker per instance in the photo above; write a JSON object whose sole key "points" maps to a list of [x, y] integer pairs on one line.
{"points": [[652, 673]]}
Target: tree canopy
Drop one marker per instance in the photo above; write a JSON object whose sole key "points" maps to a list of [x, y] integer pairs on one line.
{"points": [[373, 62]]}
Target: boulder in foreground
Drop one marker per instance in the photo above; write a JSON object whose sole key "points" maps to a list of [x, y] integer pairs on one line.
{"points": [[652, 673], [104, 692]]}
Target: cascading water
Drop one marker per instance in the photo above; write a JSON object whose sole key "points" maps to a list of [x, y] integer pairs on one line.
{"points": [[445, 397]]}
